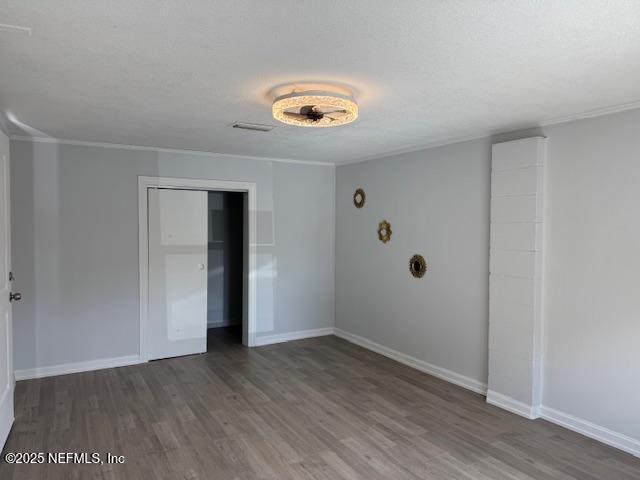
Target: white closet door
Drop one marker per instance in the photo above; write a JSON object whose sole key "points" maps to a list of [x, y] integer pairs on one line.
{"points": [[177, 272]]}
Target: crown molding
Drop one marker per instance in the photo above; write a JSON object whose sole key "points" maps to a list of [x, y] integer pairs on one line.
{"points": [[121, 146], [600, 112]]}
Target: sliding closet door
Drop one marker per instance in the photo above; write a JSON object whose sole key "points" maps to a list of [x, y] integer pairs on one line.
{"points": [[177, 272]]}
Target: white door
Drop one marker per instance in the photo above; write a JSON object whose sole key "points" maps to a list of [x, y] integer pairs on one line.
{"points": [[6, 360], [177, 272]]}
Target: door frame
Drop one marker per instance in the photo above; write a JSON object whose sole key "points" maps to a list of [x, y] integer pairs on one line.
{"points": [[7, 409], [250, 284]]}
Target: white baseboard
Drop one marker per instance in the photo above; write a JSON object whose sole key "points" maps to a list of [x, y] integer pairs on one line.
{"points": [[512, 405], [602, 434], [579, 425], [439, 372], [287, 337], [66, 368], [591, 430], [6, 415]]}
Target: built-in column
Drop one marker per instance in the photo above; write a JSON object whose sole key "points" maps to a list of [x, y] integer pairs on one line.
{"points": [[515, 279]]}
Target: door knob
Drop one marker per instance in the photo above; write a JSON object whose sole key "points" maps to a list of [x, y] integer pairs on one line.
{"points": [[201, 266], [15, 297]]}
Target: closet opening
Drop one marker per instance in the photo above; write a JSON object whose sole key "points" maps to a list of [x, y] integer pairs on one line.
{"points": [[225, 268], [197, 266]]}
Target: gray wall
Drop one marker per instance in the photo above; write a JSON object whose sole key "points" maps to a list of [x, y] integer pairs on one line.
{"points": [[75, 255], [75, 245], [437, 202], [592, 271]]}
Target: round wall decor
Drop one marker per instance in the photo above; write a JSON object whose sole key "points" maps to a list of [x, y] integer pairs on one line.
{"points": [[384, 231], [359, 198], [417, 266]]}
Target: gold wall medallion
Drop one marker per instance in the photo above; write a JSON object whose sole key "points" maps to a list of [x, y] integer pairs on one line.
{"points": [[384, 231], [417, 266], [359, 198]]}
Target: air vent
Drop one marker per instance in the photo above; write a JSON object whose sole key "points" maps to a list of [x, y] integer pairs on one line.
{"points": [[253, 126]]}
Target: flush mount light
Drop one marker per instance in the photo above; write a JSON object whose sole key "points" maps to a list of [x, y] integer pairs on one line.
{"points": [[315, 108]]}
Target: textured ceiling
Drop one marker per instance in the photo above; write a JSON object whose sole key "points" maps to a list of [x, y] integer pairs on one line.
{"points": [[175, 74]]}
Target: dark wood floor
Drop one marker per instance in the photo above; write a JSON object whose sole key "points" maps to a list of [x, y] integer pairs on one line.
{"points": [[223, 337], [312, 409]]}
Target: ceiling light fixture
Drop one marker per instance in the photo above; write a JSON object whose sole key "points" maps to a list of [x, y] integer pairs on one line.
{"points": [[315, 108]]}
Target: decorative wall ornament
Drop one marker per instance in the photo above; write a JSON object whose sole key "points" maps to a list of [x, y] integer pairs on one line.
{"points": [[359, 198], [417, 266], [384, 231]]}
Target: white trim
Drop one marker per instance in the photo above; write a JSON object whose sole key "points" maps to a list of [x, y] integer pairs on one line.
{"points": [[7, 397], [489, 134], [579, 425], [82, 143], [597, 112], [390, 153], [591, 430], [512, 405], [287, 337], [439, 372], [6, 414], [144, 183], [66, 368]]}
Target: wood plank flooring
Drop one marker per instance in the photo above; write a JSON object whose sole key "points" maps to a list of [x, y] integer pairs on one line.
{"points": [[311, 409]]}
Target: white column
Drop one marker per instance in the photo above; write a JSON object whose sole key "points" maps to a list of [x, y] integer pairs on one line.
{"points": [[515, 279]]}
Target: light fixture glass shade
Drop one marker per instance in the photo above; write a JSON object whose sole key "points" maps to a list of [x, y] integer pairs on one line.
{"points": [[315, 109]]}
